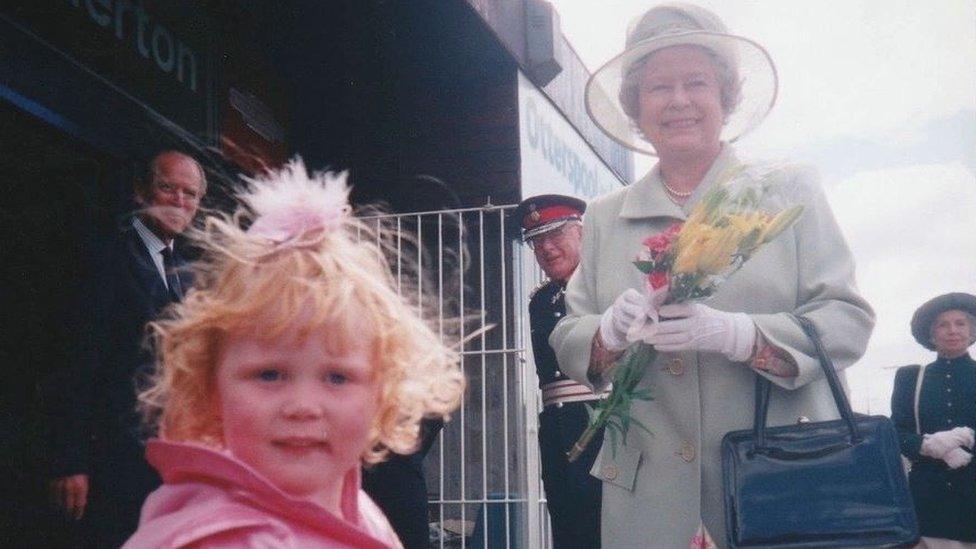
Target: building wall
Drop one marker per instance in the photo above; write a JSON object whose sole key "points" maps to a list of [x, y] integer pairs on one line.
{"points": [[566, 92], [507, 20]]}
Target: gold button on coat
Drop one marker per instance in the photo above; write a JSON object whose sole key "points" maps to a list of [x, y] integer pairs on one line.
{"points": [[676, 366], [687, 452], [610, 472]]}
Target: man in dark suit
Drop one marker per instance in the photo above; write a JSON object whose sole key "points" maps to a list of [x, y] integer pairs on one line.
{"points": [[551, 226], [97, 465]]}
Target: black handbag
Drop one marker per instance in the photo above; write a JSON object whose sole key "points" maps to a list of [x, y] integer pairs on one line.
{"points": [[833, 483]]}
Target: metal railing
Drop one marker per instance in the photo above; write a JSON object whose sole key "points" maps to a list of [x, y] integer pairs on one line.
{"points": [[483, 472]]}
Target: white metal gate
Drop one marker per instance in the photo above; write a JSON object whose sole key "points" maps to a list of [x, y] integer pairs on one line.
{"points": [[483, 478]]}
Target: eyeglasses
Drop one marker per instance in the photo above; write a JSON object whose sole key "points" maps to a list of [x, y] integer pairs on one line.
{"points": [[557, 236]]}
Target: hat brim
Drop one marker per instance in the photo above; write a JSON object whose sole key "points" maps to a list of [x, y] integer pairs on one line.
{"points": [[543, 229], [930, 310], [756, 70]]}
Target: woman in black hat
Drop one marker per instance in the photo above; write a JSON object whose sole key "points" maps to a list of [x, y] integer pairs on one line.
{"points": [[934, 409]]}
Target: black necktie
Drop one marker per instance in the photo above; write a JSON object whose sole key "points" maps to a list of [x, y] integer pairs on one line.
{"points": [[172, 275]]}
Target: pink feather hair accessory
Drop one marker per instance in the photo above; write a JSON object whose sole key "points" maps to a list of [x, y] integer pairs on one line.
{"points": [[289, 203]]}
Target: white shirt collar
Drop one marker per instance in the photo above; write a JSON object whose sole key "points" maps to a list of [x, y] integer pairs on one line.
{"points": [[149, 238], [154, 245]]}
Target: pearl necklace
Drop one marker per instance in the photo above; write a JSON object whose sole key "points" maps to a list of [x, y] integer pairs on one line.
{"points": [[676, 193]]}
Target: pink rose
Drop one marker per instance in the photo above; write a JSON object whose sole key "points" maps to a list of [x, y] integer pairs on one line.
{"points": [[674, 229], [657, 243], [660, 242], [657, 279]]}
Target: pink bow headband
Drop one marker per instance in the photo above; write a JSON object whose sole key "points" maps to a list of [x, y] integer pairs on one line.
{"points": [[289, 203]]}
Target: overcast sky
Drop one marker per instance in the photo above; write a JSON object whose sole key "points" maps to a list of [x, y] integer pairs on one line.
{"points": [[880, 96]]}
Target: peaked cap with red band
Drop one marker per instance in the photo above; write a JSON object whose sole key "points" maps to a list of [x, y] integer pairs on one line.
{"points": [[547, 212]]}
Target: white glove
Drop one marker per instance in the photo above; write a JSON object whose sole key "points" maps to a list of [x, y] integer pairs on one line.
{"points": [[697, 327], [645, 326], [957, 458], [937, 445], [616, 321], [965, 435]]}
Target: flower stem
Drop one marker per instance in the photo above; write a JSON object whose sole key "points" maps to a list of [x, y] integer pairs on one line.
{"points": [[584, 440], [580, 445], [628, 374]]}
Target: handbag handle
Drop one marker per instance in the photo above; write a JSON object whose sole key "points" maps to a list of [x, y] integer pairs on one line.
{"points": [[763, 387]]}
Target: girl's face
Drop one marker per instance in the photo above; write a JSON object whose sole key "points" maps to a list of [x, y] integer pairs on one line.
{"points": [[297, 412]]}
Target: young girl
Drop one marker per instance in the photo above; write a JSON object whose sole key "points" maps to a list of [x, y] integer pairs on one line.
{"points": [[293, 361]]}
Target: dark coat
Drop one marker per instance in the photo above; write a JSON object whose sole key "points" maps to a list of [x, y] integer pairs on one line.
{"points": [[547, 307], [572, 495], [399, 487], [97, 429], [945, 499]]}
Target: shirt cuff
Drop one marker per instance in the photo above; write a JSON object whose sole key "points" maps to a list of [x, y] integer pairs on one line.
{"points": [[772, 360]]}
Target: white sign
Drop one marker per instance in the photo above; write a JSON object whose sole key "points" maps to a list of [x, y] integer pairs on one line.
{"points": [[555, 158]]}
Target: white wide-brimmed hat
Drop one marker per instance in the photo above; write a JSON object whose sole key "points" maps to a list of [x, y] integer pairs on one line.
{"points": [[675, 24]]}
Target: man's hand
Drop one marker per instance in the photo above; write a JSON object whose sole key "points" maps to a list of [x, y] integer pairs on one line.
{"points": [[69, 494]]}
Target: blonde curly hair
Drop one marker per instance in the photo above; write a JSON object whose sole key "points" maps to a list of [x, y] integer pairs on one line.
{"points": [[311, 265]]}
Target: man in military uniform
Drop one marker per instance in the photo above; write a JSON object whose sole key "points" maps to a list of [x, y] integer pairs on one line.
{"points": [[551, 226]]}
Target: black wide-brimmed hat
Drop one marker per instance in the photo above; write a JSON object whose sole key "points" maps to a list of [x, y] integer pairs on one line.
{"points": [[930, 310]]}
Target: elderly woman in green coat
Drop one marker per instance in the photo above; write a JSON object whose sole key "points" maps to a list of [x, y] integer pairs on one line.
{"points": [[934, 410], [683, 90]]}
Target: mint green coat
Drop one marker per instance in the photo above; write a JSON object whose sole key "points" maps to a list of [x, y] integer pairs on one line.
{"points": [[658, 488]]}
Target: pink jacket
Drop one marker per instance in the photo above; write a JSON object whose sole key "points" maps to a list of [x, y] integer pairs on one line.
{"points": [[210, 499]]}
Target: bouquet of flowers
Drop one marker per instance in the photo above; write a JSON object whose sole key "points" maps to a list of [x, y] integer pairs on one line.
{"points": [[687, 261]]}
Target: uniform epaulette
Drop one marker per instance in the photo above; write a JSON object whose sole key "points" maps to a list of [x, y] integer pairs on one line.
{"points": [[541, 285]]}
